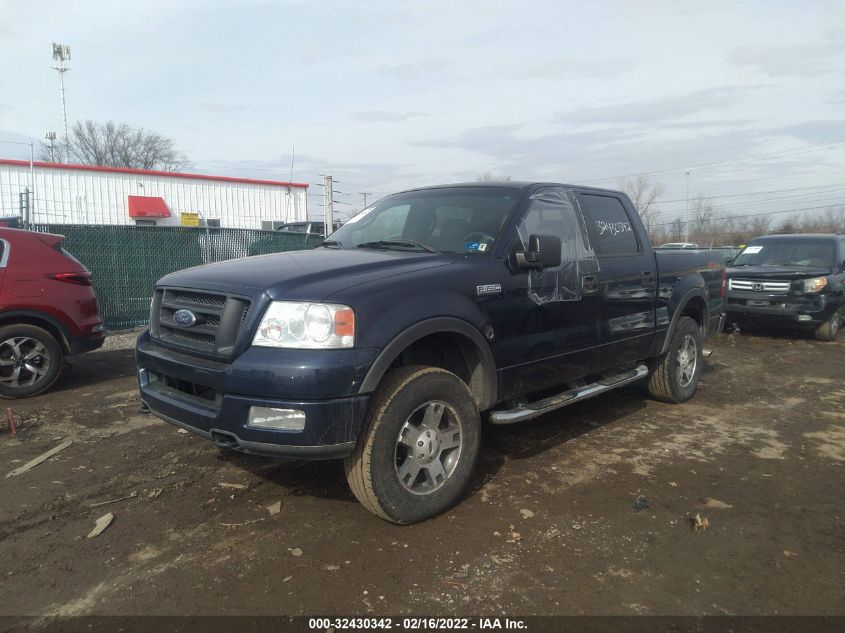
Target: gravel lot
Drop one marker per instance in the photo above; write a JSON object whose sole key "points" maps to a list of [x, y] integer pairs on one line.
{"points": [[548, 528]]}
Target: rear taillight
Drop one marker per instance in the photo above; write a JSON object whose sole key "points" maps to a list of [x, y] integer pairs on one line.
{"points": [[80, 278], [724, 283]]}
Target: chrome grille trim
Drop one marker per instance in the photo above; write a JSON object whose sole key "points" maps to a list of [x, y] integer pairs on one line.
{"points": [[760, 285]]}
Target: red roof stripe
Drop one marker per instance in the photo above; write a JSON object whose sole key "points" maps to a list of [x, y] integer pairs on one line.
{"points": [[144, 172]]}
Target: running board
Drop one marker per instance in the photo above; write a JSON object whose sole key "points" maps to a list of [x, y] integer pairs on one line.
{"points": [[541, 407]]}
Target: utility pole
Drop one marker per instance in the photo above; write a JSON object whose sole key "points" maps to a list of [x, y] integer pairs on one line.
{"points": [[686, 234], [61, 53], [329, 204], [365, 194]]}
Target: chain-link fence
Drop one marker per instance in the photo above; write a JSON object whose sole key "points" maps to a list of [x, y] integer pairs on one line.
{"points": [[128, 260]]}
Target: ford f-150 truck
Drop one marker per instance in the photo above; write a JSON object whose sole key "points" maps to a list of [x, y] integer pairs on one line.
{"points": [[385, 345], [790, 281]]}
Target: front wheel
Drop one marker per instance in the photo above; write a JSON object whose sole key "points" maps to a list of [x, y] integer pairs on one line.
{"points": [[416, 453], [829, 330], [674, 375]]}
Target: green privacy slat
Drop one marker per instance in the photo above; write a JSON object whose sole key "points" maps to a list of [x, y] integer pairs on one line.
{"points": [[128, 260]]}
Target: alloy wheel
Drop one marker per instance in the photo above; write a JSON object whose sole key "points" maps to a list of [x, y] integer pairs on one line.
{"points": [[428, 447], [687, 360], [24, 361]]}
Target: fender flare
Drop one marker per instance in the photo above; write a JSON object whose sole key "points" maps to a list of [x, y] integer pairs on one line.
{"points": [[484, 381], [64, 338], [676, 316]]}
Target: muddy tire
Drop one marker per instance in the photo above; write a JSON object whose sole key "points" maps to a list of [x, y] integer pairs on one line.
{"points": [[417, 450], [674, 375], [30, 360], [829, 330]]}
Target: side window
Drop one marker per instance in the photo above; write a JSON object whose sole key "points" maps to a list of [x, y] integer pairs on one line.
{"points": [[3, 258], [552, 213], [609, 226]]}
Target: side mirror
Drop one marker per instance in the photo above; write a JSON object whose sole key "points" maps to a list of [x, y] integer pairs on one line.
{"points": [[543, 252]]}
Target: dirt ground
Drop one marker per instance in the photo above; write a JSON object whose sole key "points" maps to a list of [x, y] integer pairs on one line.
{"points": [[549, 526]]}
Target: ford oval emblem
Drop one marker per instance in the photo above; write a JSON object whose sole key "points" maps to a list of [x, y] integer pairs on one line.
{"points": [[185, 318]]}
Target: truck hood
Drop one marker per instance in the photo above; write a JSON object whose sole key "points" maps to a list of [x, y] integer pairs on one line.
{"points": [[776, 272], [302, 275]]}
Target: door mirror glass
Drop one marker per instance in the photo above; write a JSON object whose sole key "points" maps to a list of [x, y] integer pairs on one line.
{"points": [[543, 252]]}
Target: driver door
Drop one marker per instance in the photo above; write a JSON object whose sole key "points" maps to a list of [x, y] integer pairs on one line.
{"points": [[545, 326]]}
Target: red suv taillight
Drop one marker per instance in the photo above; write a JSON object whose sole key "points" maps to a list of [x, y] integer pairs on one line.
{"points": [[79, 278], [724, 283]]}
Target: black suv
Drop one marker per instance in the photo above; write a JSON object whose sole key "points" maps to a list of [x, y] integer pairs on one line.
{"points": [[790, 281]]}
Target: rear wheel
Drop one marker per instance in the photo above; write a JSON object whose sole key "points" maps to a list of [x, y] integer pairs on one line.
{"points": [[30, 360], [829, 330], [674, 375], [417, 451]]}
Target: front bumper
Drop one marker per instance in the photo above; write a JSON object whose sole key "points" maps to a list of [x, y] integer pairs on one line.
{"points": [[785, 310], [213, 399]]}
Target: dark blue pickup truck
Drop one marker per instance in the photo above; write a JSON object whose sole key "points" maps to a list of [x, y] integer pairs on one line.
{"points": [[385, 345]]}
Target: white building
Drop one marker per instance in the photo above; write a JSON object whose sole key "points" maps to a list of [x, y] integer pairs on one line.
{"points": [[82, 194]]}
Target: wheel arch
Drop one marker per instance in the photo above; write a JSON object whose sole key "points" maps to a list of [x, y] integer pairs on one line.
{"points": [[693, 304], [38, 319], [446, 342]]}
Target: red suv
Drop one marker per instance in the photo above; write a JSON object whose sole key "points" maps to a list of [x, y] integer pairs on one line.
{"points": [[47, 311]]}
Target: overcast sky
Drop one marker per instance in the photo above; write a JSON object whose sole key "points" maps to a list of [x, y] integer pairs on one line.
{"points": [[384, 95]]}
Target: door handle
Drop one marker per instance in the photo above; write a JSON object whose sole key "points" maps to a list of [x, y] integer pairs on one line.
{"points": [[590, 284], [647, 277]]}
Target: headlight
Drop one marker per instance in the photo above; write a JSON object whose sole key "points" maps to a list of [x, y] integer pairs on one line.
{"points": [[815, 284], [306, 326]]}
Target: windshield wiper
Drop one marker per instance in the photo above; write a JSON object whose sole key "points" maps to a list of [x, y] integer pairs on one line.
{"points": [[400, 244], [329, 243]]}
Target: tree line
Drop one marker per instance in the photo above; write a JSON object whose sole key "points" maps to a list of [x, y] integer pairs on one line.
{"points": [[712, 225]]}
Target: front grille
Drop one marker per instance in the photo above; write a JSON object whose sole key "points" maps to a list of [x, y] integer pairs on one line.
{"points": [[218, 320], [760, 285]]}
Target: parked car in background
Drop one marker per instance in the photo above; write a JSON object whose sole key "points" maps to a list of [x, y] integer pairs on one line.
{"points": [[48, 310], [309, 228], [790, 281], [674, 246], [386, 344]]}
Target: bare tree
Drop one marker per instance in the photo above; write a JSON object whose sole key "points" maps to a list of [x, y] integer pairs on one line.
{"points": [[119, 145], [487, 176], [644, 194]]}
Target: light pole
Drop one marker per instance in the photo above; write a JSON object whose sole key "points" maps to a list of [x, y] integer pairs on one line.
{"points": [[686, 234], [61, 53], [50, 136]]}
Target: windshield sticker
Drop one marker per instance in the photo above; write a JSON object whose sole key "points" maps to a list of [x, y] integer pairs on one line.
{"points": [[482, 247], [474, 246], [612, 228], [751, 250]]}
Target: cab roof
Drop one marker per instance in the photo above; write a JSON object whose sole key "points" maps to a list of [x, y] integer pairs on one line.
{"points": [[519, 185]]}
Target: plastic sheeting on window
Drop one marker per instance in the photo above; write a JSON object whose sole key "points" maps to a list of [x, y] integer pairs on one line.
{"points": [[552, 212]]}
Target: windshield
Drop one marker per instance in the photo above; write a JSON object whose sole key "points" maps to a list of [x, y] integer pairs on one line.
{"points": [[802, 253], [449, 220]]}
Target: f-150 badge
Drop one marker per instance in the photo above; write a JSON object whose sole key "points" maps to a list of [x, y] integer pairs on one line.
{"points": [[488, 289]]}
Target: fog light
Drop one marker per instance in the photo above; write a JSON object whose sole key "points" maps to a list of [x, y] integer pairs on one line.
{"points": [[271, 418], [804, 317]]}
